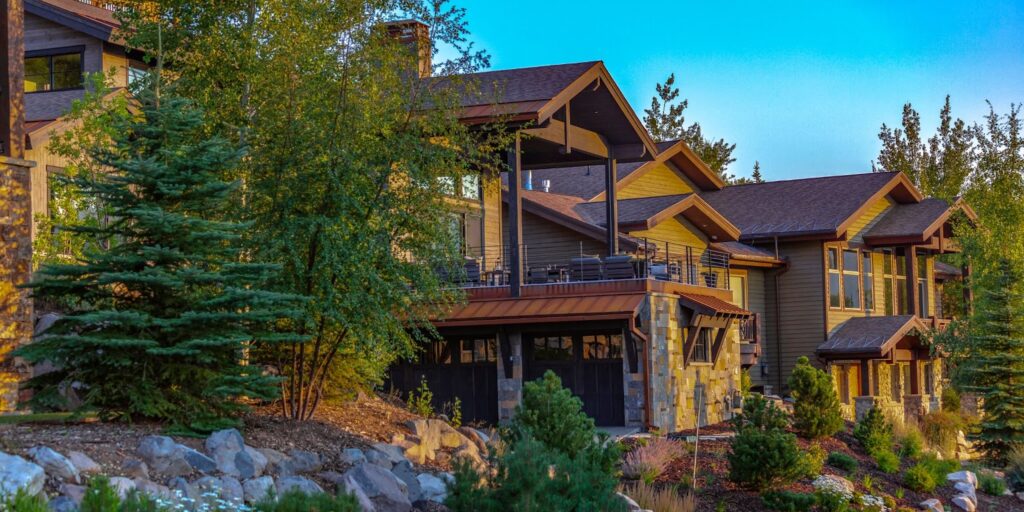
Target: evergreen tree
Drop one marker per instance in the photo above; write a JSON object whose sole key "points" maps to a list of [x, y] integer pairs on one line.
{"points": [[995, 368], [816, 412], [161, 312], [756, 175], [665, 120]]}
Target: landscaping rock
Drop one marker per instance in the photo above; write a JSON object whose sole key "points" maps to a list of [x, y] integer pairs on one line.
{"points": [[84, 464], [352, 456], [154, 490], [407, 474], [226, 487], [297, 483], [54, 464], [278, 464], [18, 473], [1020, 496], [432, 488], [349, 485], [966, 489], [135, 468], [963, 476], [183, 489], [122, 486], [228, 450], [964, 503], [394, 454], [161, 453], [931, 505], [834, 484], [62, 504], [257, 489], [479, 438], [379, 458], [304, 462], [72, 491], [631, 504], [197, 460], [259, 461], [381, 486]]}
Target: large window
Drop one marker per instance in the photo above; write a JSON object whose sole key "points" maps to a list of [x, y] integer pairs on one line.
{"points": [[901, 282], [844, 278], [552, 348], [868, 273], [467, 188], [922, 286], [887, 282], [602, 346], [53, 71]]}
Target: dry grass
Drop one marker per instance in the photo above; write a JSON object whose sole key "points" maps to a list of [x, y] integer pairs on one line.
{"points": [[664, 499], [649, 461]]}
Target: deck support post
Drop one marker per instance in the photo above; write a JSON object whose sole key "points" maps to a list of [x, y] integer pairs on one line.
{"points": [[12, 79], [515, 218], [611, 205]]}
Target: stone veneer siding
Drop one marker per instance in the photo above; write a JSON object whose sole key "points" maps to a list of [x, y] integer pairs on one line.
{"points": [[510, 387], [673, 385], [15, 269], [881, 385]]}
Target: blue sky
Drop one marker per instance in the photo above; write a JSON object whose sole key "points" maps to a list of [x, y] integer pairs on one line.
{"points": [[803, 87]]}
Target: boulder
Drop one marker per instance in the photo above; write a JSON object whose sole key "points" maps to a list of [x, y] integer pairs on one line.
{"points": [[305, 462], [75, 492], [84, 464], [62, 504], [54, 464], [228, 450], [381, 486], [964, 476], [17, 473], [478, 437], [379, 458], [393, 453], [181, 488], [407, 474], [964, 503], [931, 505], [1019, 495], [278, 464], [153, 489], [259, 461], [197, 460], [966, 489], [161, 453], [432, 488], [226, 488], [297, 483], [631, 504], [352, 456], [349, 485], [135, 468], [121, 485], [257, 489]]}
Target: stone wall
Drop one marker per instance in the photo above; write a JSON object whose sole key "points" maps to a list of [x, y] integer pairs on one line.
{"points": [[510, 387], [881, 384], [15, 269], [680, 394]]}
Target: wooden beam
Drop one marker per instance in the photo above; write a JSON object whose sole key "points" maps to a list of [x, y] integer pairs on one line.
{"points": [[568, 127], [12, 79], [611, 207], [691, 341], [865, 375], [515, 217], [558, 132], [719, 341], [915, 386]]}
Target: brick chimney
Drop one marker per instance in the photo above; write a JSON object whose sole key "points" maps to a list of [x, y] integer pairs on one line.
{"points": [[416, 36]]}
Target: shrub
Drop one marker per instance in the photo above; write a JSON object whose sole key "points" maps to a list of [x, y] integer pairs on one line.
{"points": [[919, 478], [760, 413], [840, 460], [1015, 470], [989, 484], [940, 430], [911, 443], [21, 501], [787, 501], [649, 461], [421, 400], [950, 400], [814, 460], [665, 499], [553, 416], [887, 461], [939, 468], [816, 412], [454, 410], [297, 501], [829, 501], [745, 383], [874, 432], [764, 459]]}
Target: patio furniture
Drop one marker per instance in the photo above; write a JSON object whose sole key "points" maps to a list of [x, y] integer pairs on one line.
{"points": [[619, 267], [586, 268]]}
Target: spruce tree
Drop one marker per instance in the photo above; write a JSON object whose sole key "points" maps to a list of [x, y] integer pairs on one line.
{"points": [[995, 368], [816, 411], [756, 175], [162, 311]]}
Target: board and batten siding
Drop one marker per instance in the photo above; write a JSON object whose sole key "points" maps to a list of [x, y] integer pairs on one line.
{"points": [[662, 180], [548, 243], [676, 231], [757, 302]]}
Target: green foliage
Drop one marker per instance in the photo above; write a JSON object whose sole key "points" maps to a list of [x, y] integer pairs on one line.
{"points": [[816, 412], [939, 429], [455, 412], [842, 461], [1015, 470], [297, 501], [551, 414], [788, 501], [887, 461], [814, 460], [874, 432], [421, 400], [919, 478], [763, 455], [21, 501], [831, 501], [938, 468], [911, 443], [545, 464], [950, 400], [745, 383], [989, 484], [665, 120], [162, 309]]}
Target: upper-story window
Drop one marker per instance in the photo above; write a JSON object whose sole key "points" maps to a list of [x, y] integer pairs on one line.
{"points": [[466, 188], [136, 72], [844, 278], [53, 70], [888, 282], [922, 286]]}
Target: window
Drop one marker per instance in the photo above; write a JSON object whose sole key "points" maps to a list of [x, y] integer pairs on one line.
{"points": [[922, 286], [446, 185], [887, 281], [844, 279], [851, 280], [478, 350], [467, 230], [702, 350], [552, 348], [53, 71], [894, 380], [833, 278], [136, 72], [739, 290], [929, 379], [468, 187], [844, 385], [471, 186], [438, 353], [602, 346], [868, 276]]}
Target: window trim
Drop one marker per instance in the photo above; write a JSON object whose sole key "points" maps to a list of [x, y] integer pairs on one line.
{"points": [[56, 52], [842, 272]]}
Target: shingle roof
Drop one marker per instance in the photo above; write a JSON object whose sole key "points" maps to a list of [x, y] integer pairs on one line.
{"points": [[584, 181], [523, 84], [631, 211], [871, 335], [744, 251], [89, 19], [946, 271], [796, 207], [909, 219]]}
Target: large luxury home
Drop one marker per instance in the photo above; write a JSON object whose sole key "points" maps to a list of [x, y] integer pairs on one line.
{"points": [[624, 264]]}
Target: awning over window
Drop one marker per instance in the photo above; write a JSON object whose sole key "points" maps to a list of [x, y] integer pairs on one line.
{"points": [[543, 310], [870, 337], [711, 306]]}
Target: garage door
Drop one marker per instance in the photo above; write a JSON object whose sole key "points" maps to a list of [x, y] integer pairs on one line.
{"points": [[589, 364]]}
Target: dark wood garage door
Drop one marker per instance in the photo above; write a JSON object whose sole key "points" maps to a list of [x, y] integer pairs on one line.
{"points": [[464, 367], [589, 364]]}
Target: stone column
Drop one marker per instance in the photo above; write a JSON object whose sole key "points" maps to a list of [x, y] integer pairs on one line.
{"points": [[861, 406], [15, 269], [913, 407], [510, 387]]}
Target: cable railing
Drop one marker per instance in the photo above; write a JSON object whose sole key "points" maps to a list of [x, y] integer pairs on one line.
{"points": [[566, 261]]}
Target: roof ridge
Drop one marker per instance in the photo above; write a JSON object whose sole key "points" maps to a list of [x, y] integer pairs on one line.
{"points": [[810, 178], [564, 64]]}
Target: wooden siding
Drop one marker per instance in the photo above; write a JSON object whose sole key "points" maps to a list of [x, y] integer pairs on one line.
{"points": [[493, 219], [757, 302], [41, 34], [548, 243], [855, 233], [676, 230], [662, 180], [802, 316]]}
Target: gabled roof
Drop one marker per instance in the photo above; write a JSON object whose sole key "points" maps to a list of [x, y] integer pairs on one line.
{"points": [[584, 181], [740, 252], [82, 17], [871, 336], [809, 207], [915, 222]]}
